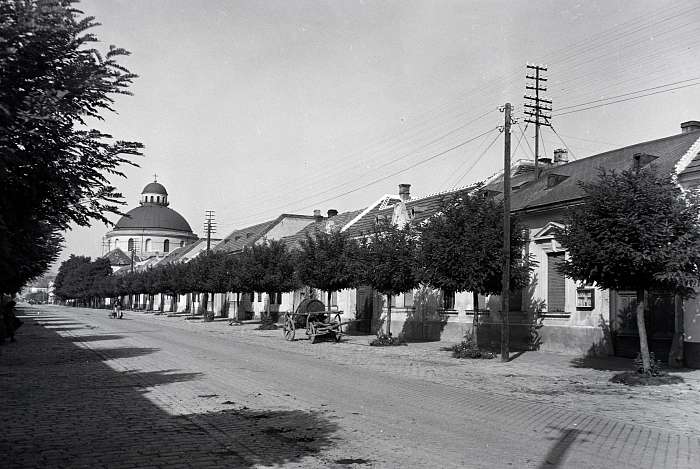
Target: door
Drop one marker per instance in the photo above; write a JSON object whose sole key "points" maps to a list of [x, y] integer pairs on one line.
{"points": [[364, 309], [556, 285], [658, 319]]}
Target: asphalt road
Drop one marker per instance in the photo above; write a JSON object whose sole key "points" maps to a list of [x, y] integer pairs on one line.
{"points": [[83, 390]]}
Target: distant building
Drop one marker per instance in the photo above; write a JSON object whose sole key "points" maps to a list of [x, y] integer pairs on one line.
{"points": [[152, 228]]}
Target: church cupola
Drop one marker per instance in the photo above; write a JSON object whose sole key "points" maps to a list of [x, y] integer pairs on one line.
{"points": [[154, 193]]}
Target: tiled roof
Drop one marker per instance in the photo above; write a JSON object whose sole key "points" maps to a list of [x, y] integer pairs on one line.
{"points": [[186, 253], [239, 239], [363, 223], [418, 210], [118, 257], [563, 179], [338, 221]]}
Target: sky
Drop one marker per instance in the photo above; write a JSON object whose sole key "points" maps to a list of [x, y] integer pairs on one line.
{"points": [[257, 108]]}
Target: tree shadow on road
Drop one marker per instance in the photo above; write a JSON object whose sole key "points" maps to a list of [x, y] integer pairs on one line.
{"points": [[96, 337], [556, 456], [78, 410]]}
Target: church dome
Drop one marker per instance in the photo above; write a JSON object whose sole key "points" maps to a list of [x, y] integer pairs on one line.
{"points": [[154, 188], [153, 216]]}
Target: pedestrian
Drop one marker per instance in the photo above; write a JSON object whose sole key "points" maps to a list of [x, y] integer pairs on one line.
{"points": [[12, 322]]}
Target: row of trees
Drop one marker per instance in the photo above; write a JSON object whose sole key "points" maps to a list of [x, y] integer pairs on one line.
{"points": [[459, 249], [53, 164]]}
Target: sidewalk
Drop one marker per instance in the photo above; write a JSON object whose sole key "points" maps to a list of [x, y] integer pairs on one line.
{"points": [[565, 380]]}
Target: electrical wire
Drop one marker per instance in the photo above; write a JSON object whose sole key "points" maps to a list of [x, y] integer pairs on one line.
{"points": [[468, 170], [624, 100], [375, 181]]}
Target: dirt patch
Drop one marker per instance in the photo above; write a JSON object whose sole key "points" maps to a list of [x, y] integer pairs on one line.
{"points": [[631, 378]]}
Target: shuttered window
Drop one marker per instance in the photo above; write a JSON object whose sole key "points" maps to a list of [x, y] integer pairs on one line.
{"points": [[556, 291]]}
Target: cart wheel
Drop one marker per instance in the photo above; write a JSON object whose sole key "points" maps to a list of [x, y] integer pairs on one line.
{"points": [[289, 329], [338, 336]]}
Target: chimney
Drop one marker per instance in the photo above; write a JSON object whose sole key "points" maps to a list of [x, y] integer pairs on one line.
{"points": [[690, 126], [317, 215], [332, 212], [561, 156], [405, 192]]}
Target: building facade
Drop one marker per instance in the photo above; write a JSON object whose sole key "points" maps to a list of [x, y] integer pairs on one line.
{"points": [[152, 228]]}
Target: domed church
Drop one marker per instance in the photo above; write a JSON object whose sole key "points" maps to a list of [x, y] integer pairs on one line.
{"points": [[152, 228]]}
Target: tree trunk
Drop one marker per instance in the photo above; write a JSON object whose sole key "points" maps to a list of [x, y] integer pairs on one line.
{"points": [[643, 343], [388, 315], [330, 293], [205, 302], [475, 319], [675, 356]]}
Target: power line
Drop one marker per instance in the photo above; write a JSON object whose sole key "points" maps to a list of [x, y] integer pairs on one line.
{"points": [[629, 93], [624, 100], [477, 160], [395, 173], [563, 142], [526, 140]]}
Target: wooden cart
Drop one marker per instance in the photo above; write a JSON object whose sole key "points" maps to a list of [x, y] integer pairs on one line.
{"points": [[311, 314]]}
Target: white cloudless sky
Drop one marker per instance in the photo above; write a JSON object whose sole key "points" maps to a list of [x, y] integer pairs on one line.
{"points": [[256, 108]]}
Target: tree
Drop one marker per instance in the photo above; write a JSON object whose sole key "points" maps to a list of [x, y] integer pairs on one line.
{"points": [[461, 248], [387, 263], [327, 261], [635, 230], [54, 166], [269, 268]]}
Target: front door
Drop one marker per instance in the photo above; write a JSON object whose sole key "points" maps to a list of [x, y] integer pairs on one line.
{"points": [[364, 309], [658, 319]]}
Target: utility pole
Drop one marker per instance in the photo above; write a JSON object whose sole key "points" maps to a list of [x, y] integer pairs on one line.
{"points": [[209, 226], [505, 293], [537, 108]]}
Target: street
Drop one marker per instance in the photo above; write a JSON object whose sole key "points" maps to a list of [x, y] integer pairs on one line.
{"points": [[82, 390]]}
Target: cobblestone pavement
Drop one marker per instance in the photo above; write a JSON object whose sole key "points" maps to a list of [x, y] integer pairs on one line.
{"points": [[81, 390]]}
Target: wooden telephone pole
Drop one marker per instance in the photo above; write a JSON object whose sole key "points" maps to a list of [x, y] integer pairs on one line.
{"points": [[209, 226], [537, 108], [505, 292]]}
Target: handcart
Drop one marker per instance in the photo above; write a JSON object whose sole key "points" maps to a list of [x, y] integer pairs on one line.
{"points": [[311, 314]]}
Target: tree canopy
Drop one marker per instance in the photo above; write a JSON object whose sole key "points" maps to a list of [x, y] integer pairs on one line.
{"points": [[461, 247], [635, 230], [327, 261], [54, 166], [387, 262]]}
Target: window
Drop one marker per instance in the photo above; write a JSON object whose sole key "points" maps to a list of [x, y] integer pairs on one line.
{"points": [[151, 199], [148, 245], [116, 243], [166, 245], [182, 244], [109, 245], [334, 299], [585, 298], [130, 244], [275, 298], [408, 299], [448, 299], [556, 285], [259, 297]]}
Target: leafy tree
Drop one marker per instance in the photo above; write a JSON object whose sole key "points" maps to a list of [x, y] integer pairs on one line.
{"points": [[636, 230], [70, 277], [269, 268], [327, 261], [387, 262], [54, 166], [461, 248]]}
